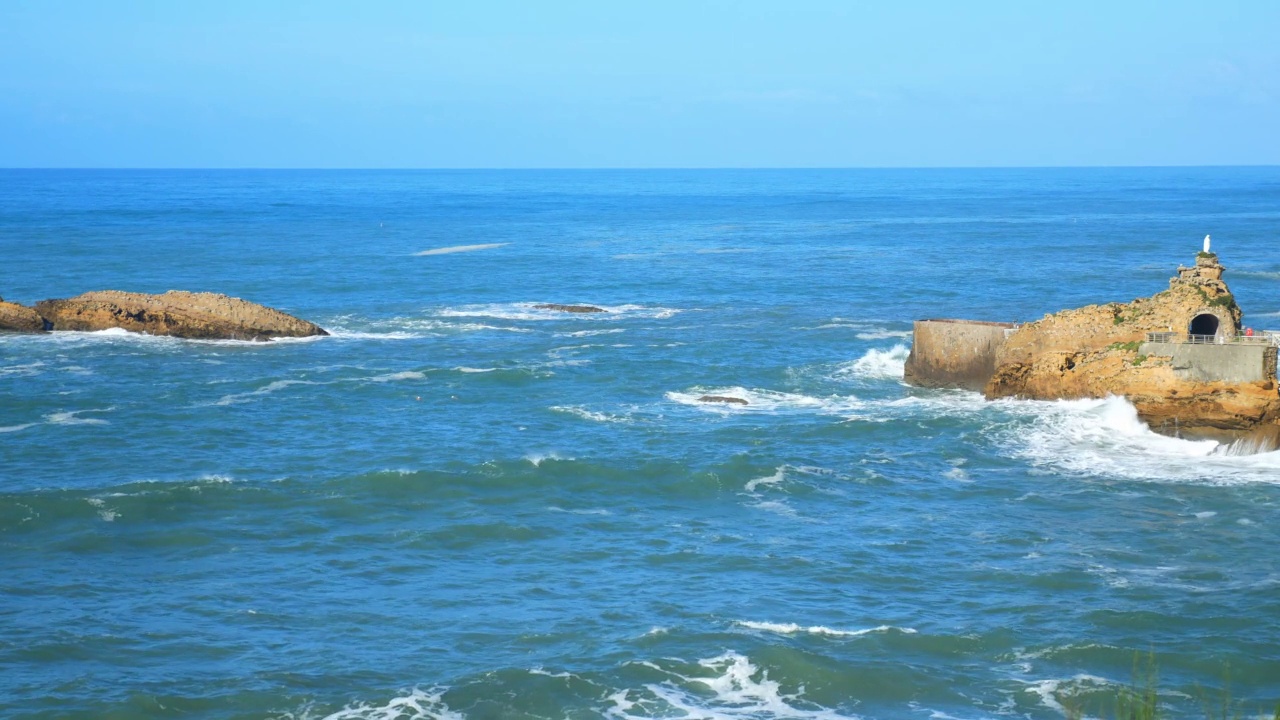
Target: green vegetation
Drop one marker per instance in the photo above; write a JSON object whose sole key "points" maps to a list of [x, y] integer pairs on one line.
{"points": [[1140, 699], [1139, 360], [1203, 254], [1128, 346], [1223, 301]]}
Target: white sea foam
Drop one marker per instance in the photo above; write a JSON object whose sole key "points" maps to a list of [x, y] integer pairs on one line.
{"points": [[732, 688], [1106, 438], [464, 369], [775, 478], [460, 249], [536, 459], [73, 417], [416, 705], [876, 364], [264, 390], [882, 334], [767, 402], [392, 377], [391, 335], [528, 311], [585, 414], [24, 370], [1049, 691], [793, 628], [107, 514], [590, 333]]}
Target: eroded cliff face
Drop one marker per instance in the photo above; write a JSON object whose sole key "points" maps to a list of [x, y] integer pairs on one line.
{"points": [[1092, 352], [176, 313]]}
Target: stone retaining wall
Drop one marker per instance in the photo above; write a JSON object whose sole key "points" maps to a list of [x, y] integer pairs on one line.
{"points": [[954, 353]]}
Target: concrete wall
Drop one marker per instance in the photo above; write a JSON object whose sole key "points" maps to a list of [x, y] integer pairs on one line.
{"points": [[954, 353], [1217, 363]]}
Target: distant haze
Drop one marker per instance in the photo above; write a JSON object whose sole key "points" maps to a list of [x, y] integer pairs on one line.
{"points": [[638, 84]]}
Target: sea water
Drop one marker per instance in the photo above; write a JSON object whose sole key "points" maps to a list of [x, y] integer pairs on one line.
{"points": [[459, 505]]}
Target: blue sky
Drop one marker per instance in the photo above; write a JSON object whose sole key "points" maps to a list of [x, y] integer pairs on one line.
{"points": [[790, 83]]}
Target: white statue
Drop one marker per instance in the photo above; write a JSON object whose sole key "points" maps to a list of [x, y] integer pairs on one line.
{"points": [[1206, 243]]}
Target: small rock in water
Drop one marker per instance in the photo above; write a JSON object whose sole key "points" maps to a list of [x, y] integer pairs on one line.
{"points": [[723, 399], [570, 308]]}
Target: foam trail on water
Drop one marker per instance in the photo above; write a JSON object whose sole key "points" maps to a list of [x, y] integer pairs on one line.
{"points": [[416, 705], [766, 401], [730, 688], [460, 249], [392, 377], [793, 628]]}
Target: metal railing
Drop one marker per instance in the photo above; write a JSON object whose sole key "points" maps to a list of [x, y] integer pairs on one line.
{"points": [[1265, 337]]}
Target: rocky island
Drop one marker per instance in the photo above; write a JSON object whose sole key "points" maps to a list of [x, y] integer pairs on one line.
{"points": [[1181, 356], [206, 316]]}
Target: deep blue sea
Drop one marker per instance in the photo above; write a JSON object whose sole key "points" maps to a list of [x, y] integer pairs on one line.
{"points": [[460, 506]]}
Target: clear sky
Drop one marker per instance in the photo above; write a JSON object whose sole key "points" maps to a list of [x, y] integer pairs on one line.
{"points": [[603, 83]]}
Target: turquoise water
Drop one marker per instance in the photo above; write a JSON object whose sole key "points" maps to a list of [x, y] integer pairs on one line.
{"points": [[461, 506]]}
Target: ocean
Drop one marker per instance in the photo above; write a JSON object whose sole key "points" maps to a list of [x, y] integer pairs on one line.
{"points": [[462, 506]]}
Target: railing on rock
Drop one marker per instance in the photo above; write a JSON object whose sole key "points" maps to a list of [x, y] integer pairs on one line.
{"points": [[1266, 337]]}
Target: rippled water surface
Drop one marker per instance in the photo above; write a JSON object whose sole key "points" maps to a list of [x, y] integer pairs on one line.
{"points": [[462, 506]]}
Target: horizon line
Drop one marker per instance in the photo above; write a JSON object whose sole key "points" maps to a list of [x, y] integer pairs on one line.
{"points": [[623, 168]]}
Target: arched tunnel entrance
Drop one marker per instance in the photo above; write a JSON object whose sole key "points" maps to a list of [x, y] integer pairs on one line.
{"points": [[1204, 324]]}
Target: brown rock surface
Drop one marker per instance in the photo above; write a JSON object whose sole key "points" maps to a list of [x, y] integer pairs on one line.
{"points": [[1092, 352], [19, 318], [177, 313]]}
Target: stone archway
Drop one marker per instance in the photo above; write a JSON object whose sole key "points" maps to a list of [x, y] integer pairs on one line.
{"points": [[1204, 324]]}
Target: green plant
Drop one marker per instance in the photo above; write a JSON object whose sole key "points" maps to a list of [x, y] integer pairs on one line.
{"points": [[1139, 360], [1140, 700], [1223, 301], [1129, 346], [1203, 254]]}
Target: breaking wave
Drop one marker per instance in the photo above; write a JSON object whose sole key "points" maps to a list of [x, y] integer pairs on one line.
{"points": [[877, 364]]}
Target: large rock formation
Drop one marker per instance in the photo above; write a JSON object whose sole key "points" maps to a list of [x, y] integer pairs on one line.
{"points": [[1101, 350], [19, 318], [176, 313]]}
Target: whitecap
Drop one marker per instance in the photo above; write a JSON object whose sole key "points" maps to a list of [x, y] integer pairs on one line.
{"points": [[793, 628], [107, 514], [778, 476], [464, 369], [72, 417], [17, 428], [416, 705], [392, 377], [585, 414], [883, 334], [766, 401], [730, 688], [537, 459], [460, 249], [876, 364]]}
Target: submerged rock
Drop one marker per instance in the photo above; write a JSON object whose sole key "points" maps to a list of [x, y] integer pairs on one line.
{"points": [[19, 318], [570, 308], [176, 313], [722, 399]]}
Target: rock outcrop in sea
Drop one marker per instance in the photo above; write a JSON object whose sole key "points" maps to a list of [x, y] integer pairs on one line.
{"points": [[19, 318], [1179, 356], [569, 308], [176, 313]]}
